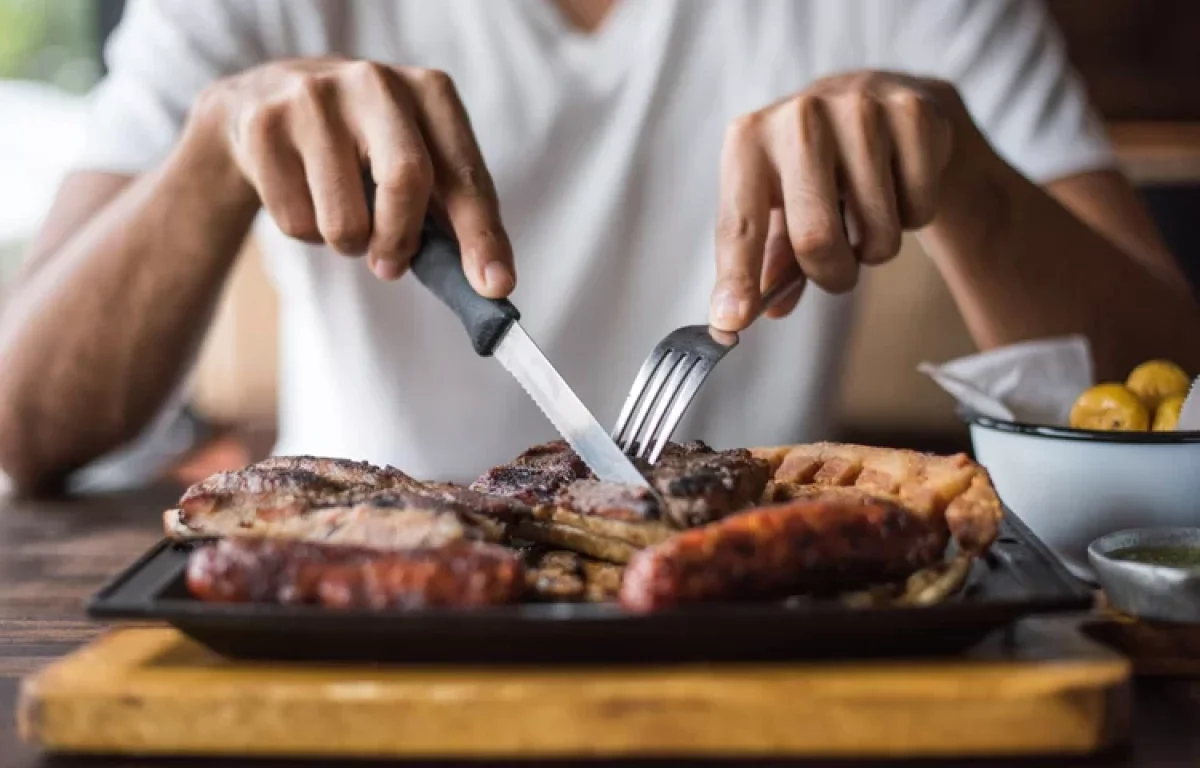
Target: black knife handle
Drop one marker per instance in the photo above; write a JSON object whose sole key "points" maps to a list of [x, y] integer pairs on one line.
{"points": [[438, 265]]}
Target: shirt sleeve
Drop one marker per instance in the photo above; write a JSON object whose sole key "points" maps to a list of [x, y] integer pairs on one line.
{"points": [[1009, 62], [163, 53]]}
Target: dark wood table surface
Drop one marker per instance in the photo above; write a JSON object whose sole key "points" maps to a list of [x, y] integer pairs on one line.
{"points": [[53, 554]]}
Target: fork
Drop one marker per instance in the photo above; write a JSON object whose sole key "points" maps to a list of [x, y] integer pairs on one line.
{"points": [[672, 374]]}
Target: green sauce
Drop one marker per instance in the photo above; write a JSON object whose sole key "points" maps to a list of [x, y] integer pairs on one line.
{"points": [[1177, 557]]}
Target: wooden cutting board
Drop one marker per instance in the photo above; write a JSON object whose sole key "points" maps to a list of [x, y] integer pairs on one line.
{"points": [[1040, 688]]}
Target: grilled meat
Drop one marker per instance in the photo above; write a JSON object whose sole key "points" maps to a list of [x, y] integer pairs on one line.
{"points": [[950, 491], [276, 486], [397, 519], [607, 532], [294, 475], [343, 473], [558, 575], [536, 476], [609, 501], [696, 484], [837, 517], [301, 499], [693, 484], [276, 571], [699, 485], [773, 551], [602, 520]]}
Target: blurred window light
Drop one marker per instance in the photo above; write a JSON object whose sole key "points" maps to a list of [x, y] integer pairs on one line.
{"points": [[50, 56], [51, 41]]}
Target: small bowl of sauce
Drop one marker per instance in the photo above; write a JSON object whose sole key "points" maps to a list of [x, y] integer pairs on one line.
{"points": [[1174, 557], [1152, 573]]}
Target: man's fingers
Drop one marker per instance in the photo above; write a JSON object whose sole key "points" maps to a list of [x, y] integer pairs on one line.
{"points": [[804, 150], [748, 184], [916, 130], [274, 167], [865, 147], [331, 167], [399, 163], [780, 268], [464, 185]]}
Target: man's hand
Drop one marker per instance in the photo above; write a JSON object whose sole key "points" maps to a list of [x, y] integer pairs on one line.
{"points": [[884, 144], [303, 131]]}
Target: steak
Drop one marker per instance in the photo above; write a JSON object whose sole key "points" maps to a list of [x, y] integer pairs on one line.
{"points": [[601, 520], [699, 485], [318, 500], [343, 473], [691, 485], [277, 571], [536, 476], [774, 551]]}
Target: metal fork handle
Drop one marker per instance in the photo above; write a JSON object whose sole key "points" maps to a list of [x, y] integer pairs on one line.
{"points": [[794, 275]]}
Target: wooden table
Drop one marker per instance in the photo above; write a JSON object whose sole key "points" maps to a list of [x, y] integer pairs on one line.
{"points": [[54, 554]]}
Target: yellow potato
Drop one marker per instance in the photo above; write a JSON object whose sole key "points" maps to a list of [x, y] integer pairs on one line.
{"points": [[1166, 416], [1112, 407], [1157, 379]]}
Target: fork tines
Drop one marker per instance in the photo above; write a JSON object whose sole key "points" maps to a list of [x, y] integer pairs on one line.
{"points": [[665, 386]]}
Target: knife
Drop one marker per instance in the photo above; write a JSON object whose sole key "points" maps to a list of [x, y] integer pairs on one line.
{"points": [[495, 331]]}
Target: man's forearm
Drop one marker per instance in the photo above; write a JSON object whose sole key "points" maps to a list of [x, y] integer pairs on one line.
{"points": [[96, 335], [1020, 266]]}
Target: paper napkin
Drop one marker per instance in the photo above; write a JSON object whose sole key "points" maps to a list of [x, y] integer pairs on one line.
{"points": [[1034, 382]]}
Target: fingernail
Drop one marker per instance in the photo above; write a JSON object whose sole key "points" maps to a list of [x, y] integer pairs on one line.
{"points": [[497, 278], [386, 269], [728, 309]]}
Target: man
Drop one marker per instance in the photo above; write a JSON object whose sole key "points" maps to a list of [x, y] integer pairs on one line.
{"points": [[607, 141]]}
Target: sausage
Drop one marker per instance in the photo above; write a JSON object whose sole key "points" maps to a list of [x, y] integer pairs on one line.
{"points": [[463, 574], [773, 551]]}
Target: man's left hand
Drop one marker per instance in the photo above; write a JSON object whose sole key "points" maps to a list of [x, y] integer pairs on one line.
{"points": [[884, 144]]}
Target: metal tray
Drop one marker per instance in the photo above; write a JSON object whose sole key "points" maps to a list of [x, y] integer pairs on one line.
{"points": [[1019, 577]]}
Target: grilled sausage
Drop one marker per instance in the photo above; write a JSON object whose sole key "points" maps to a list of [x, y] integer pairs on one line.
{"points": [[774, 551], [280, 571]]}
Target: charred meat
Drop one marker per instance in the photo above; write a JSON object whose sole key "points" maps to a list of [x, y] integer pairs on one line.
{"points": [[276, 571], [345, 474], [399, 519], [693, 484], [562, 576], [699, 485], [536, 476], [315, 500]]}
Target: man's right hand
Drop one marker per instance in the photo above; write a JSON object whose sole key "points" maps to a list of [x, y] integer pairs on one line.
{"points": [[303, 131]]}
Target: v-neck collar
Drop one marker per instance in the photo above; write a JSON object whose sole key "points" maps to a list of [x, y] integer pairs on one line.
{"points": [[601, 46]]}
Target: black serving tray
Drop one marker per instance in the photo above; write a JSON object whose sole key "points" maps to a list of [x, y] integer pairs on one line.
{"points": [[1018, 577]]}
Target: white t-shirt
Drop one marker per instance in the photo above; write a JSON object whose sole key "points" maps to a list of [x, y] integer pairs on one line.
{"points": [[605, 153]]}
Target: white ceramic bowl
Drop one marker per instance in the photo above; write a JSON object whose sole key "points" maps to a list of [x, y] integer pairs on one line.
{"points": [[1071, 486]]}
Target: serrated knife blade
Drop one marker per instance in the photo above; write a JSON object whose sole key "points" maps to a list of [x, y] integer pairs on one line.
{"points": [[530, 367]]}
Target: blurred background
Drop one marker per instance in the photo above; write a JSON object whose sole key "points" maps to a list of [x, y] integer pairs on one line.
{"points": [[1140, 59]]}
